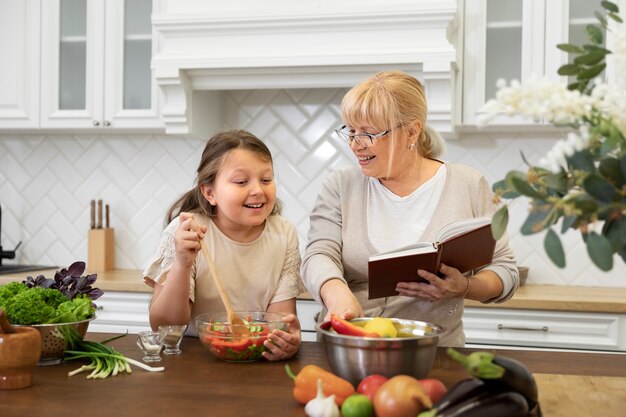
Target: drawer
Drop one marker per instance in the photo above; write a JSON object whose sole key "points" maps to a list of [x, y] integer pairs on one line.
{"points": [[550, 329], [118, 312]]}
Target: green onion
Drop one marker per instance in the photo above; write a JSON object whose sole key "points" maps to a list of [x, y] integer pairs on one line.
{"points": [[105, 360]]}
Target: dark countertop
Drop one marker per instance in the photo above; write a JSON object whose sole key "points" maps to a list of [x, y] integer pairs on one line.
{"points": [[196, 384]]}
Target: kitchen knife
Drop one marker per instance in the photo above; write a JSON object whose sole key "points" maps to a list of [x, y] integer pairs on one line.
{"points": [[99, 223], [106, 216], [92, 215]]}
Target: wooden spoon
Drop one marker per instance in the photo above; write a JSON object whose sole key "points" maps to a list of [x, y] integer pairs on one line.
{"points": [[237, 326], [5, 326]]}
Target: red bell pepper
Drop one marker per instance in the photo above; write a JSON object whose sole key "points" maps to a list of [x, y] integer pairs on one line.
{"points": [[342, 326]]}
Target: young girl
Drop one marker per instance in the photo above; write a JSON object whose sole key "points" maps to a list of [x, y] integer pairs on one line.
{"points": [[233, 209]]}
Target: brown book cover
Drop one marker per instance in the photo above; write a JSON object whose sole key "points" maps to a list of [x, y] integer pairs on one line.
{"points": [[466, 245]]}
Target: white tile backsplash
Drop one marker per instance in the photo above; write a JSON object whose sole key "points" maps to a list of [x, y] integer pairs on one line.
{"points": [[46, 182]]}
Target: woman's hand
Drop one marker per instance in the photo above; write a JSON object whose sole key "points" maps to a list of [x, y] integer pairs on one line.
{"points": [[453, 285], [284, 344], [187, 239], [339, 300]]}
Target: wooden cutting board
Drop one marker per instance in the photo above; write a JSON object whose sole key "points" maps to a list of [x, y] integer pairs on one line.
{"points": [[584, 396]]}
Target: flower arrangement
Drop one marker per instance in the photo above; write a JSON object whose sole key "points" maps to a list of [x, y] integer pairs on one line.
{"points": [[582, 180]]}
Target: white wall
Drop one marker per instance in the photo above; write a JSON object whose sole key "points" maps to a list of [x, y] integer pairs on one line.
{"points": [[46, 182]]}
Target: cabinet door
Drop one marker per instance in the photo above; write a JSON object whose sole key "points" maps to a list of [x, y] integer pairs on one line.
{"points": [[130, 91], [503, 39], [19, 72], [96, 65], [72, 63]]}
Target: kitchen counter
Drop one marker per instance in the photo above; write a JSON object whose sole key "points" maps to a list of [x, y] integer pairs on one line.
{"points": [[528, 297], [196, 384]]}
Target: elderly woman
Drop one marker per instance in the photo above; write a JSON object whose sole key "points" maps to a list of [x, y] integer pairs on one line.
{"points": [[400, 194]]}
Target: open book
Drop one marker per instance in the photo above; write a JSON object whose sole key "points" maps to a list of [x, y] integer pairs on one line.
{"points": [[464, 244]]}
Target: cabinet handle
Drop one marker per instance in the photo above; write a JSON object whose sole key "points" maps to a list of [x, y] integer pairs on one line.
{"points": [[107, 123], [531, 329], [96, 123]]}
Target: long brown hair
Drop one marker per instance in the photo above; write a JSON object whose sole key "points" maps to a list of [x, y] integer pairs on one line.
{"points": [[217, 147]]}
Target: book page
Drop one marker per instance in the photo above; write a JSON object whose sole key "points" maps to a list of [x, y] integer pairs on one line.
{"points": [[461, 226], [420, 247]]}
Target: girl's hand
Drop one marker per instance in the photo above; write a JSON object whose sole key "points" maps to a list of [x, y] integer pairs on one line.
{"points": [[284, 344], [339, 300], [453, 285], [187, 239]]}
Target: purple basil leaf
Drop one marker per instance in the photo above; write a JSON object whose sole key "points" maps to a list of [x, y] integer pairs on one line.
{"points": [[76, 269], [94, 293]]}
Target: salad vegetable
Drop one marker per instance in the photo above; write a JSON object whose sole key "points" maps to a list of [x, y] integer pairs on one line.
{"points": [[66, 298], [321, 406], [236, 349], [105, 360], [305, 388]]}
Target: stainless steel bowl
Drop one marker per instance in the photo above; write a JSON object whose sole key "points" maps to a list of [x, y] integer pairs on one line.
{"points": [[353, 358], [53, 343]]}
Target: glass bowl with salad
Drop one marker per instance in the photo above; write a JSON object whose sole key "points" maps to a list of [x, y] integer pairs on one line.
{"points": [[215, 334]]}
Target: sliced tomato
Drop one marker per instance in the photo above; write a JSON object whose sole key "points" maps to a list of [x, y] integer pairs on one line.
{"points": [[238, 345]]}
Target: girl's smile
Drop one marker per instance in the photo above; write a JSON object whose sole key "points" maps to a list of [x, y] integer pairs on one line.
{"points": [[244, 193]]}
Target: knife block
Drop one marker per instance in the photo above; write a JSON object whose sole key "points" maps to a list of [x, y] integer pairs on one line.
{"points": [[101, 256]]}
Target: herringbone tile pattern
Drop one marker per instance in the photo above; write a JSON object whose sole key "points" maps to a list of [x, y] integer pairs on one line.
{"points": [[46, 182]]}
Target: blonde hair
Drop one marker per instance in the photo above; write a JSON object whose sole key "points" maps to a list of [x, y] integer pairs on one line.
{"points": [[389, 99]]}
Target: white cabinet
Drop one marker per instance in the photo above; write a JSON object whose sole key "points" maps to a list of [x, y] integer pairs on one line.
{"points": [[96, 60], [118, 312], [19, 72], [307, 313], [77, 64], [545, 329], [513, 39]]}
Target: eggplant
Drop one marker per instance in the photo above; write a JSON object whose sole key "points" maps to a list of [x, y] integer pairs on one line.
{"points": [[500, 372], [460, 392], [503, 404]]}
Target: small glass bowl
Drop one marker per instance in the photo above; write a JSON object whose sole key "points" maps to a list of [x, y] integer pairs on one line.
{"points": [[215, 334]]}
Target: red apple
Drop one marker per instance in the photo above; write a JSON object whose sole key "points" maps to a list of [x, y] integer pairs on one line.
{"points": [[434, 388], [370, 384]]}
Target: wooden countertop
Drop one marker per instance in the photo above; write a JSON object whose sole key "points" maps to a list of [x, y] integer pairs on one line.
{"points": [[531, 297], [197, 384]]}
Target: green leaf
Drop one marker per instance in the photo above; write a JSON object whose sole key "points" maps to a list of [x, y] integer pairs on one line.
{"points": [[601, 19], [623, 164], [568, 222], [585, 203], [578, 85], [569, 69], [570, 49], [594, 34], [611, 170], [594, 48], [582, 160], [499, 222], [615, 17], [557, 182], [615, 232], [505, 189], [597, 187], [592, 58], [554, 248], [600, 251], [591, 72], [610, 6], [523, 187], [537, 219]]}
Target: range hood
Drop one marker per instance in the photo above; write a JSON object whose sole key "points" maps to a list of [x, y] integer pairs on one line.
{"points": [[204, 47]]}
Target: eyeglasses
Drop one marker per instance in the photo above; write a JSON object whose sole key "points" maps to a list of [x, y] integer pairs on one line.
{"points": [[363, 139]]}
